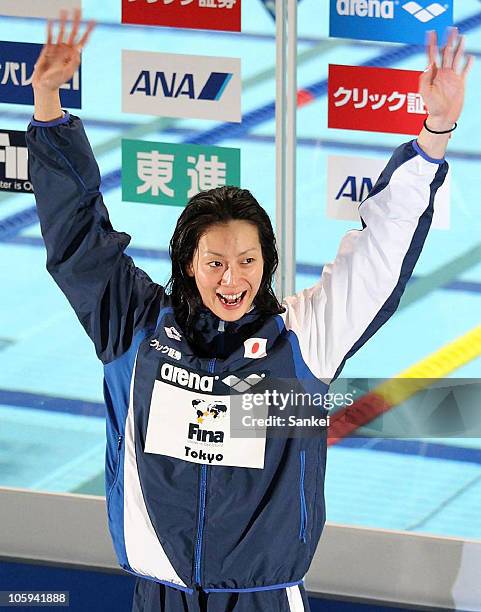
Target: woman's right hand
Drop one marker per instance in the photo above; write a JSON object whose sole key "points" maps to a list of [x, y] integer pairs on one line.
{"points": [[59, 60]]}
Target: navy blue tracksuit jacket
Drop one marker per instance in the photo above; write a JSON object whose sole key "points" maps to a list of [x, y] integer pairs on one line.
{"points": [[188, 504]]}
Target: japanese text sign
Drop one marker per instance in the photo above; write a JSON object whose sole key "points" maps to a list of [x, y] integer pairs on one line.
{"points": [[203, 14], [166, 173], [375, 99], [17, 61]]}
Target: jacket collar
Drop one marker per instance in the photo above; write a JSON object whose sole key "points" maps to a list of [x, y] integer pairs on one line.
{"points": [[214, 337], [209, 323]]}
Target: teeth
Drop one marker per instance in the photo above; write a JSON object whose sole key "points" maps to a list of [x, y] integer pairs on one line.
{"points": [[234, 296]]}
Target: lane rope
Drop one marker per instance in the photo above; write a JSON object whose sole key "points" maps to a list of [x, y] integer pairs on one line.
{"points": [[404, 385]]}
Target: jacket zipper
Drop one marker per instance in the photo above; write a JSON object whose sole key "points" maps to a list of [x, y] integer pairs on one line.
{"points": [[202, 500], [303, 507], [200, 528], [119, 446]]}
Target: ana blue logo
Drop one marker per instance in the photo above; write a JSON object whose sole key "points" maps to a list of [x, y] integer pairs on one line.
{"points": [[353, 191], [389, 20], [175, 85], [17, 61]]}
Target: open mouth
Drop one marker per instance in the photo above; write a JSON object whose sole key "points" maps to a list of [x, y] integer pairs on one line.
{"points": [[231, 300]]}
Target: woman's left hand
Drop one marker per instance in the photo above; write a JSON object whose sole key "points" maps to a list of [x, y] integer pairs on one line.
{"points": [[442, 86]]}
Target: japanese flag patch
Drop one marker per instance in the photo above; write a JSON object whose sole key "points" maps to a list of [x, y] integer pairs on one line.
{"points": [[255, 348]]}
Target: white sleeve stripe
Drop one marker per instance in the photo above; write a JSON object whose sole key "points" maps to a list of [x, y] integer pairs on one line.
{"points": [[294, 599], [361, 289], [412, 255]]}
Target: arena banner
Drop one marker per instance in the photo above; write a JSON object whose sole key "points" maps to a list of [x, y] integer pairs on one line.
{"points": [[350, 179], [197, 14], [17, 61], [48, 9], [14, 174], [389, 20], [375, 99], [166, 173], [183, 86]]}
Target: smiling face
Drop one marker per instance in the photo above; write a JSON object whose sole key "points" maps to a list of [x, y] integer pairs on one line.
{"points": [[227, 267]]}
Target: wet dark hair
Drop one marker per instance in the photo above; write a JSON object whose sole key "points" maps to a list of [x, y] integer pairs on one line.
{"points": [[208, 208]]}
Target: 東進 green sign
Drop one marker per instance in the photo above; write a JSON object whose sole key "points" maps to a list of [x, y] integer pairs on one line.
{"points": [[166, 173]]}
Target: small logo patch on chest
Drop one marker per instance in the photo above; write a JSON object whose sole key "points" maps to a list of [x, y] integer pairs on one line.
{"points": [[172, 333]]}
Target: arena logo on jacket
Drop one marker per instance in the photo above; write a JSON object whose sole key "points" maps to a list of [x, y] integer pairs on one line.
{"points": [[403, 21], [204, 14], [350, 179], [34, 8], [183, 86], [17, 61], [190, 418]]}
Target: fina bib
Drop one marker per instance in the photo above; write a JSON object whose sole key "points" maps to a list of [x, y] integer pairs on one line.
{"points": [[196, 427]]}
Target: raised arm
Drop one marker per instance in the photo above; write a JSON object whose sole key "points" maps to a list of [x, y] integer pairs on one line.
{"points": [[111, 297], [361, 289]]}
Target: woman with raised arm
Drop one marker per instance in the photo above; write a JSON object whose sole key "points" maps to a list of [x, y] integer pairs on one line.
{"points": [[205, 520]]}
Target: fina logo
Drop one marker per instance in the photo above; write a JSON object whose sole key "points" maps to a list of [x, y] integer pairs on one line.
{"points": [[205, 409], [384, 9], [176, 85]]}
